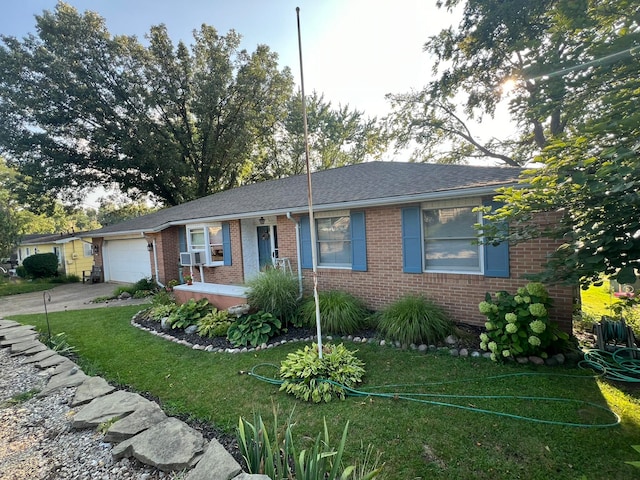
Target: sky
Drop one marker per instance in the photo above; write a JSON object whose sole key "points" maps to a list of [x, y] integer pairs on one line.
{"points": [[354, 51]]}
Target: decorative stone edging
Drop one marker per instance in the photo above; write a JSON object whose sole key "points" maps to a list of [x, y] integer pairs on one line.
{"points": [[452, 349]]}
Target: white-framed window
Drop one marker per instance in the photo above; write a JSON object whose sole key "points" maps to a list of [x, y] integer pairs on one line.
{"points": [[58, 253], [333, 236], [208, 240], [450, 240], [87, 249]]}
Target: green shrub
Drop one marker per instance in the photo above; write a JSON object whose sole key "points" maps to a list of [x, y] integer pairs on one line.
{"points": [[21, 271], [276, 456], [41, 265], [146, 284], [415, 319], [72, 278], [214, 324], [305, 374], [340, 312], [254, 329], [162, 297], [158, 312], [274, 291], [189, 313], [519, 325]]}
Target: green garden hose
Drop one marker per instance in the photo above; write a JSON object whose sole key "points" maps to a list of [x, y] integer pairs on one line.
{"points": [[622, 365], [424, 397]]}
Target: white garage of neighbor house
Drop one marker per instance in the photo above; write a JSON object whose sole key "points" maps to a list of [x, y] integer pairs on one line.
{"points": [[126, 260]]}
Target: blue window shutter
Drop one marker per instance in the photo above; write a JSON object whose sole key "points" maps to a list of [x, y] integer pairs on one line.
{"points": [[305, 242], [411, 240], [182, 238], [496, 257], [226, 243], [358, 242]]}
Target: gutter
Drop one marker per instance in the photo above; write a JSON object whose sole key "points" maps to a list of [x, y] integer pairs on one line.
{"points": [[300, 288]]}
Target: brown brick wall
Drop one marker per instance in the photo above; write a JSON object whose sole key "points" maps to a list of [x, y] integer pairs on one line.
{"points": [[228, 275], [459, 294]]}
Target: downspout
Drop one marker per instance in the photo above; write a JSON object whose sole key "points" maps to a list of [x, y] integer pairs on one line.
{"points": [[155, 263], [297, 253]]}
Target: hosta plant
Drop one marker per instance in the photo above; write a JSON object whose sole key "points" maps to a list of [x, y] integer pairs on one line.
{"points": [[519, 325], [189, 313], [214, 324], [313, 379], [254, 329]]}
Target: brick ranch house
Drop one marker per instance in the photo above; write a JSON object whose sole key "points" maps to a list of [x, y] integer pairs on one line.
{"points": [[384, 229]]}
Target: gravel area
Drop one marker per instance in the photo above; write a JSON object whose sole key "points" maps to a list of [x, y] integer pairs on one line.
{"points": [[37, 441]]}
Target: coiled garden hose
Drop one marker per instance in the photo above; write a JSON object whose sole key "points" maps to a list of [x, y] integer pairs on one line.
{"points": [[622, 365], [424, 398]]}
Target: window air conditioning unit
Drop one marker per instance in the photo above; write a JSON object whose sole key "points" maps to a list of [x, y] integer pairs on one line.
{"points": [[188, 259]]}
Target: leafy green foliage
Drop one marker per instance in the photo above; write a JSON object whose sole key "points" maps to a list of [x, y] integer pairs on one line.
{"points": [[162, 297], [340, 312], [216, 323], [277, 457], [254, 329], [58, 343], [415, 319], [217, 101], [519, 325], [194, 389], [557, 55], [189, 313], [313, 379], [158, 312], [274, 291], [41, 265]]}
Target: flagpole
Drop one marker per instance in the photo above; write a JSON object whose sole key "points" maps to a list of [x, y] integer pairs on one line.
{"points": [[312, 225]]}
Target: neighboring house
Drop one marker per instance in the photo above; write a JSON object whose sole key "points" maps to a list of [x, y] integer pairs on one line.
{"points": [[75, 255], [383, 230]]}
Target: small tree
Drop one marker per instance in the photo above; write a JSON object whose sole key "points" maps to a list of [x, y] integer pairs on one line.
{"points": [[41, 265]]}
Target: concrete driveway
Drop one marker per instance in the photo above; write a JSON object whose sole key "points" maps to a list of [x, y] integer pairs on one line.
{"points": [[71, 296]]}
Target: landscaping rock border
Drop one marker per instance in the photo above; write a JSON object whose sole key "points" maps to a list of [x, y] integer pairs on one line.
{"points": [[37, 433], [452, 345]]}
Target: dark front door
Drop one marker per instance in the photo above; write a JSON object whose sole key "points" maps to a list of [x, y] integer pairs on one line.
{"points": [[265, 246]]}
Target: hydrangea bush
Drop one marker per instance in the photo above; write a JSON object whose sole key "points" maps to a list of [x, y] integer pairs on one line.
{"points": [[519, 325]]}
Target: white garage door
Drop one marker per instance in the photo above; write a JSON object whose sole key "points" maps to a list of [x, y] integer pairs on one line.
{"points": [[126, 260]]}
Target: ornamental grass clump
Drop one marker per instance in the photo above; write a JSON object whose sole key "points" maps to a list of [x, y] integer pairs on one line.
{"points": [[274, 291], [313, 379], [340, 312], [415, 319], [519, 325]]}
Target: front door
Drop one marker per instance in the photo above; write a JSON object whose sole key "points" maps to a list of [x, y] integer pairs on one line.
{"points": [[267, 245]]}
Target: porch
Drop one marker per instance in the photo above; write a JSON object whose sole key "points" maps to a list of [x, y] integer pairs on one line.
{"points": [[219, 295]]}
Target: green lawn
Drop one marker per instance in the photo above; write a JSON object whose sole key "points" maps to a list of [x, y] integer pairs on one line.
{"points": [[14, 287], [417, 440]]}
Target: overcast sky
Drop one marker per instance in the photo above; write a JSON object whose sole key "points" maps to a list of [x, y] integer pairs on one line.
{"points": [[354, 51]]}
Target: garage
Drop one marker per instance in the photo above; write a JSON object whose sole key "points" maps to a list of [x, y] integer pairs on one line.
{"points": [[126, 260]]}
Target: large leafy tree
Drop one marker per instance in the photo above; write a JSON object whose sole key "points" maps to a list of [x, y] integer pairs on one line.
{"points": [[337, 137], [79, 107], [589, 176], [539, 49], [9, 222]]}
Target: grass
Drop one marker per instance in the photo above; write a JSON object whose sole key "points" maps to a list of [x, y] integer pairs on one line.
{"points": [[416, 440], [16, 286]]}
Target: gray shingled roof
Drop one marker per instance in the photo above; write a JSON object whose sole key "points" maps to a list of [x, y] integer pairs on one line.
{"points": [[345, 187]]}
